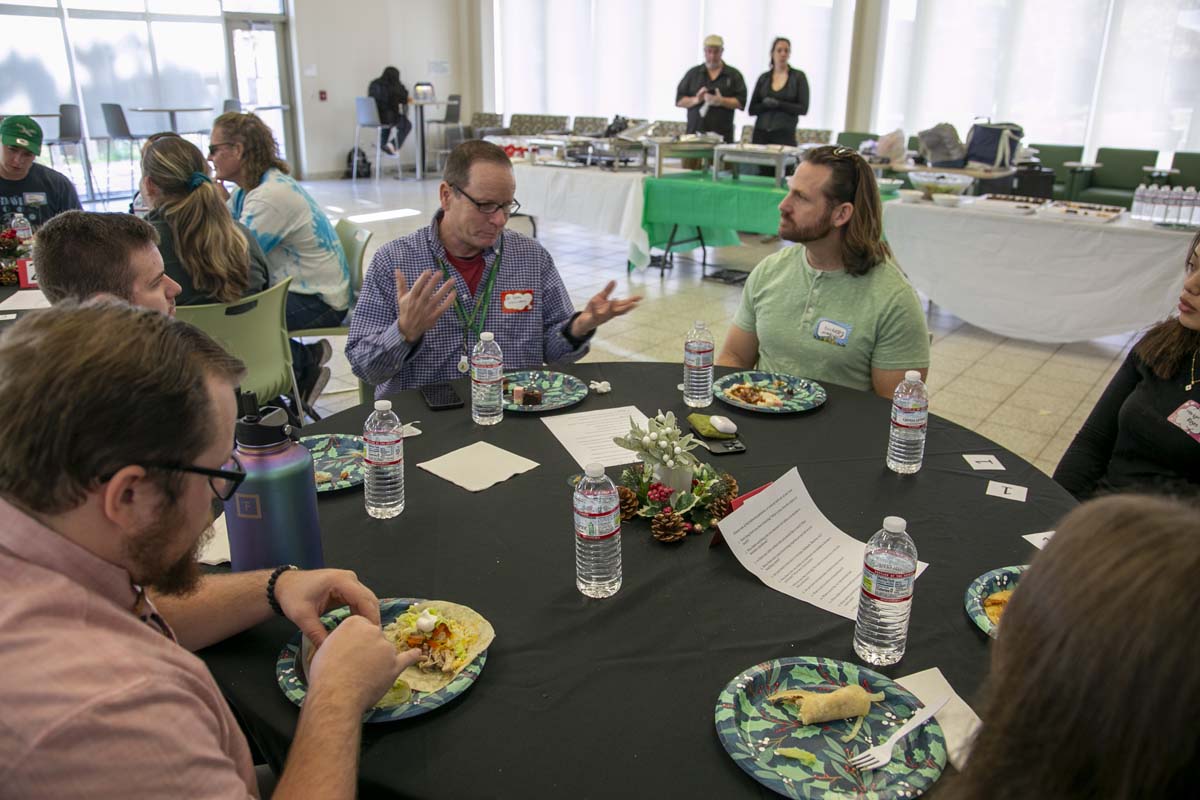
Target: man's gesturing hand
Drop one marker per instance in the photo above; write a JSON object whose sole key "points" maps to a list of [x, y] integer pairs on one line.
{"points": [[418, 309]]}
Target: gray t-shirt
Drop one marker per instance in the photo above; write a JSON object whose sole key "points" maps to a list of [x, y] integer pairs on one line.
{"points": [[42, 194]]}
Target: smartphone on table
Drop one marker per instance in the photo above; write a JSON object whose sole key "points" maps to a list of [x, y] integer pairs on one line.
{"points": [[441, 396]]}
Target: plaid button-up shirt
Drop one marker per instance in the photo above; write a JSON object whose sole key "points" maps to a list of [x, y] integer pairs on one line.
{"points": [[528, 311]]}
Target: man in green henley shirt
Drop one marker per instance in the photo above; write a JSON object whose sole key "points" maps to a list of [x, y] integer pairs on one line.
{"points": [[834, 308]]}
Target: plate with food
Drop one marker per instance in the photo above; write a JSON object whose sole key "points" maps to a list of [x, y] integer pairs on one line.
{"points": [[453, 638], [794, 724], [769, 392], [337, 460], [533, 391], [988, 595]]}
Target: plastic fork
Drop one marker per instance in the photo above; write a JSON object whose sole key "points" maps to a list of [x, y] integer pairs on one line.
{"points": [[881, 754]]}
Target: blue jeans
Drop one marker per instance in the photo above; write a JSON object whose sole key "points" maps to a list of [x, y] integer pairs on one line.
{"points": [[308, 311]]}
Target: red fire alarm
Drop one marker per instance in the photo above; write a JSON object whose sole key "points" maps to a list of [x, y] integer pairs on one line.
{"points": [[321, 94]]}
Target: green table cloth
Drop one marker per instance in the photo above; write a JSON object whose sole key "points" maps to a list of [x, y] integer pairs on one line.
{"points": [[718, 208]]}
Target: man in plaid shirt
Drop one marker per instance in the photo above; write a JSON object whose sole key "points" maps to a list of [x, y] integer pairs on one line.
{"points": [[489, 278]]}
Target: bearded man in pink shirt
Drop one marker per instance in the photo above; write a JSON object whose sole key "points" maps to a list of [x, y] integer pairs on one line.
{"points": [[117, 429]]}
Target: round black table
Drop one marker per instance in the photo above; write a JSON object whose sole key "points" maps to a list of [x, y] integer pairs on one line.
{"points": [[592, 698]]}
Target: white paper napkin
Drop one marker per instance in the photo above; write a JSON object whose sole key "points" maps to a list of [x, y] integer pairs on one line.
{"points": [[478, 466], [957, 719], [216, 551]]}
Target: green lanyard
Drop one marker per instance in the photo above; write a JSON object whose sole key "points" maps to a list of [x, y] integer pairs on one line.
{"points": [[474, 323]]}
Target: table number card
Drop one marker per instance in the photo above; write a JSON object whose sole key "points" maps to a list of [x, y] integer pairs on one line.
{"points": [[27, 273], [983, 461], [1038, 540], [1008, 491]]}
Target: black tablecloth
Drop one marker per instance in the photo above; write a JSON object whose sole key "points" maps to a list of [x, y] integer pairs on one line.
{"points": [[599, 698]]}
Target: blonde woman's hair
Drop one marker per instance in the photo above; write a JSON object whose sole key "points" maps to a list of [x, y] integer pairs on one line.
{"points": [[260, 151], [212, 249], [853, 181]]}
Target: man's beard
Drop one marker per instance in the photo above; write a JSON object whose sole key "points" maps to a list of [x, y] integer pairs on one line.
{"points": [[819, 230], [146, 554]]}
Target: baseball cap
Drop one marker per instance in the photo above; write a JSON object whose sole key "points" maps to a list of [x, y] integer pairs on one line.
{"points": [[714, 41], [21, 131]]}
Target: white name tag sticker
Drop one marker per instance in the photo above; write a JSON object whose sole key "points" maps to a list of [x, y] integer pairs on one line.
{"points": [[983, 462], [1008, 491]]}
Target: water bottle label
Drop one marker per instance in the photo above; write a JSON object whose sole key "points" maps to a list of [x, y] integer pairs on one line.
{"points": [[487, 370], [916, 417], [698, 354], [597, 525], [889, 587], [383, 452]]}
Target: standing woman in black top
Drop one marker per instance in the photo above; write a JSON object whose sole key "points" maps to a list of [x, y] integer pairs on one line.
{"points": [[1144, 433], [780, 98]]}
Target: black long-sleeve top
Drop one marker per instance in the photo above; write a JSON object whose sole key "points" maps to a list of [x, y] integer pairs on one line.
{"points": [[390, 99], [1128, 442], [792, 99]]}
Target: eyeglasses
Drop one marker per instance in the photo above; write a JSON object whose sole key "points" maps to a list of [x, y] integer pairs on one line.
{"points": [[223, 482], [508, 208], [216, 146]]}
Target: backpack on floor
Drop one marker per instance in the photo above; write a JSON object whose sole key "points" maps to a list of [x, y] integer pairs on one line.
{"points": [[364, 166]]}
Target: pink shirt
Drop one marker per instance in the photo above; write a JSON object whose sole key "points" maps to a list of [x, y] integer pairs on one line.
{"points": [[94, 701]]}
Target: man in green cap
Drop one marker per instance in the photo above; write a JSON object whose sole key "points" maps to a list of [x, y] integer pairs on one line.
{"points": [[28, 188]]}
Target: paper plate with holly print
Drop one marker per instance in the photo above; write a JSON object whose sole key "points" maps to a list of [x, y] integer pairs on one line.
{"points": [[769, 392], [337, 460], [983, 587], [559, 390], [817, 761]]}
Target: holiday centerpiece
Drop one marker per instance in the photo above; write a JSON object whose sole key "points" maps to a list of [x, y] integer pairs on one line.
{"points": [[11, 249], [675, 490]]}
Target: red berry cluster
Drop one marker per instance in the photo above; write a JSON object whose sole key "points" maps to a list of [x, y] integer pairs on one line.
{"points": [[11, 233], [657, 493]]}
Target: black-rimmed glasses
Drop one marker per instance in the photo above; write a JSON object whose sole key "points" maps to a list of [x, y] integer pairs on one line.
{"points": [[508, 208], [223, 482]]}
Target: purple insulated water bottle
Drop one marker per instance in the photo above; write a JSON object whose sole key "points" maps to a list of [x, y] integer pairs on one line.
{"points": [[272, 518]]}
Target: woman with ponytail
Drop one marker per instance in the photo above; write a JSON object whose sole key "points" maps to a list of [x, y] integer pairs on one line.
{"points": [[214, 258], [1144, 433]]}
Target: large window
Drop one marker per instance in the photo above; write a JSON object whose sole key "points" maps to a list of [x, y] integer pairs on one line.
{"points": [[152, 54], [1117, 73], [606, 57]]}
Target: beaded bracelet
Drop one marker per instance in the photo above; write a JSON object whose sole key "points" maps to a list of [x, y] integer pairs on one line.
{"points": [[271, 586]]}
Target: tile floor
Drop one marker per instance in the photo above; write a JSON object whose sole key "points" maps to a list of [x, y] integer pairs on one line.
{"points": [[1029, 397]]}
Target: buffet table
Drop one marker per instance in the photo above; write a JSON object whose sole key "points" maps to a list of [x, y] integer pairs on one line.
{"points": [[1029, 277], [616, 697]]}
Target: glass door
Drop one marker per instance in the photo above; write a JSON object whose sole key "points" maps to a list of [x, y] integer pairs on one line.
{"points": [[259, 65]]}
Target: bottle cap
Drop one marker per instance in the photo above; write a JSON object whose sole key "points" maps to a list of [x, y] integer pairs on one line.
{"points": [[487, 336], [269, 427], [894, 524], [594, 470], [912, 375], [383, 405]]}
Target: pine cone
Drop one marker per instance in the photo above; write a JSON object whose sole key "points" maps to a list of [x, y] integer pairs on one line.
{"points": [[667, 526], [629, 503], [732, 484], [719, 508]]}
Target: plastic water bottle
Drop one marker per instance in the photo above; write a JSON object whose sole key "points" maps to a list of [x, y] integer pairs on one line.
{"points": [[22, 227], [1187, 213], [383, 462], [1158, 204], [885, 601], [597, 534], [487, 381], [698, 366], [1139, 202], [910, 416]]}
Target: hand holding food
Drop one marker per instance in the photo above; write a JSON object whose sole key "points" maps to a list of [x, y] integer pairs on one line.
{"points": [[357, 663], [304, 595], [447, 636]]}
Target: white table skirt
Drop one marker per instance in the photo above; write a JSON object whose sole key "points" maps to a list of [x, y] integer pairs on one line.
{"points": [[1029, 277], [603, 200]]}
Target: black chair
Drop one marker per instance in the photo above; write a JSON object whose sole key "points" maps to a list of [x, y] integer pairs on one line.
{"points": [[118, 131], [70, 132]]}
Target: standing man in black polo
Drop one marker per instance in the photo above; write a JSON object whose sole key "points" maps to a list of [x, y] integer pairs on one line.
{"points": [[27, 188], [711, 92]]}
